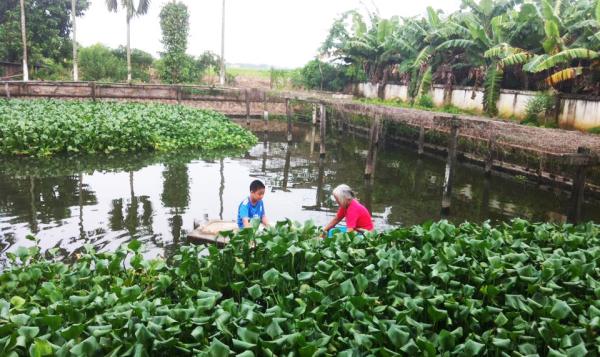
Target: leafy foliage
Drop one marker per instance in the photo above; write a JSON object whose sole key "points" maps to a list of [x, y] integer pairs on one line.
{"points": [[48, 127], [174, 22], [491, 93], [539, 107], [435, 289], [48, 27], [100, 63]]}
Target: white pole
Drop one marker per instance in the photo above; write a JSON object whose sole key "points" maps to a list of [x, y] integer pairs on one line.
{"points": [[222, 74]]}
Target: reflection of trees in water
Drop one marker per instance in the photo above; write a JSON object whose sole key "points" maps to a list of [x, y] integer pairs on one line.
{"points": [[43, 200], [176, 195]]}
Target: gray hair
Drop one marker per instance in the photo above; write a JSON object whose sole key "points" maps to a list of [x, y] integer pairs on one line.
{"points": [[343, 193]]}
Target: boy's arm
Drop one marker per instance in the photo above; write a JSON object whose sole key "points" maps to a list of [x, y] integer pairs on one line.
{"points": [[246, 222], [245, 216], [265, 221]]}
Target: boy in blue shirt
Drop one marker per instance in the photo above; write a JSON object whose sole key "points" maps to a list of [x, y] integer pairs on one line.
{"points": [[252, 207]]}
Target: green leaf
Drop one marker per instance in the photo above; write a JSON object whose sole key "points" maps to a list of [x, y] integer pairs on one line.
{"points": [[347, 288], [305, 275], [500, 320], [472, 348], [17, 302], [87, 347], [40, 348], [218, 349], [271, 276], [255, 291], [398, 337], [578, 350], [29, 332], [560, 310]]}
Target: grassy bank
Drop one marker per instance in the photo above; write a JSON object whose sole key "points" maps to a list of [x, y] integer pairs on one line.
{"points": [[435, 289], [49, 127]]}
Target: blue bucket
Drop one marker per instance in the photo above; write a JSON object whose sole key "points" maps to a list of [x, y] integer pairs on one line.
{"points": [[338, 229]]}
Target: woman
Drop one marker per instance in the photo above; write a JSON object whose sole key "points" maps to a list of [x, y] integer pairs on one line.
{"points": [[358, 218]]}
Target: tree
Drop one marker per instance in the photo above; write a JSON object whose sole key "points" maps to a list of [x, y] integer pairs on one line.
{"points": [[131, 11], [74, 22], [48, 29], [24, 39], [176, 66]]}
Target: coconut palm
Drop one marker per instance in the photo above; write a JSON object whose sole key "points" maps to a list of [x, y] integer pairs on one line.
{"points": [[24, 41], [131, 10], [74, 21]]}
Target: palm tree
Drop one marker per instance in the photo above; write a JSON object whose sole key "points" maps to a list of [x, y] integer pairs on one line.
{"points": [[130, 8], [74, 20], [24, 40]]}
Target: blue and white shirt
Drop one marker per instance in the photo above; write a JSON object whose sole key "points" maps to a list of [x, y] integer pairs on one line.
{"points": [[247, 210]]}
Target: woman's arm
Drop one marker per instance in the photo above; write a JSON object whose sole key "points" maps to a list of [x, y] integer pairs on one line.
{"points": [[332, 224]]}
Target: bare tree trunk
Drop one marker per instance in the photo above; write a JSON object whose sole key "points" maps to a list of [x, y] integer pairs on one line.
{"points": [[222, 74], [128, 49], [74, 20], [24, 41]]}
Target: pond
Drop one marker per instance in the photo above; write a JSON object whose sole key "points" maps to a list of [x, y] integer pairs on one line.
{"points": [[155, 198]]}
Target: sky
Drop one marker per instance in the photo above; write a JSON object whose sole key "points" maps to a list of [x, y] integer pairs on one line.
{"points": [[279, 33]]}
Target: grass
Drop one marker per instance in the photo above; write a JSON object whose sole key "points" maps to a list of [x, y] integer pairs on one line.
{"points": [[397, 103], [595, 130]]}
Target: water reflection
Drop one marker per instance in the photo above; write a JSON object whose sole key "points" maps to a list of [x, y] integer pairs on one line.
{"points": [[107, 201]]}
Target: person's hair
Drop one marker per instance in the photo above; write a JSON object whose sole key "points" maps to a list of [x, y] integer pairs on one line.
{"points": [[256, 185], [343, 193]]}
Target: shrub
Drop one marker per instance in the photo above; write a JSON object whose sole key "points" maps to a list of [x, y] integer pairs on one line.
{"points": [[99, 62], [538, 108], [426, 101]]}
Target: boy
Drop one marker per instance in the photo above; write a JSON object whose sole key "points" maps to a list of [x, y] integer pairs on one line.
{"points": [[252, 207]]}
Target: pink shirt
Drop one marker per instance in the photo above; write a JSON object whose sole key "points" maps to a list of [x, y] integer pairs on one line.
{"points": [[357, 216]]}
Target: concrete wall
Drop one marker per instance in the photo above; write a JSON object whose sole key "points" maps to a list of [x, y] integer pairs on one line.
{"points": [[575, 113], [579, 113]]}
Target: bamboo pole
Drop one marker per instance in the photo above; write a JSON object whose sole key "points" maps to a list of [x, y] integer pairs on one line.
{"points": [[323, 130]]}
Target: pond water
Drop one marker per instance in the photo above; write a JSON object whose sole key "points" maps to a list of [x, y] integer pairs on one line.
{"points": [[105, 202]]}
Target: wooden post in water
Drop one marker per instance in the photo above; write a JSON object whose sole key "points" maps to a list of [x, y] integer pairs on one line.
{"points": [[421, 139], [577, 193], [93, 84], [450, 166], [323, 130], [6, 90], [247, 106], [288, 113], [489, 162], [178, 94], [373, 146], [265, 110], [314, 115], [286, 167]]}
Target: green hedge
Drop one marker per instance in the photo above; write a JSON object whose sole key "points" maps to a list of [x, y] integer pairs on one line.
{"points": [[516, 289], [48, 127]]}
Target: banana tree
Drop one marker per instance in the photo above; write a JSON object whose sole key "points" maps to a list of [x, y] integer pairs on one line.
{"points": [[572, 43], [132, 10], [369, 46], [486, 33]]}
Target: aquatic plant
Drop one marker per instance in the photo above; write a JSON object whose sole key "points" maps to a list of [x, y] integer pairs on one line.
{"points": [[49, 127], [434, 289]]}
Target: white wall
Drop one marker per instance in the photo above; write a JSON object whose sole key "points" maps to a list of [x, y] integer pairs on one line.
{"points": [[574, 113]]}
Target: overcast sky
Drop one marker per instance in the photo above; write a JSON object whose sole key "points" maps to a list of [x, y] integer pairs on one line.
{"points": [[280, 33]]}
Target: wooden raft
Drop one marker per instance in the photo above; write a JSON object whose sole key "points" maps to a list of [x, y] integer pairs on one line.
{"points": [[209, 233]]}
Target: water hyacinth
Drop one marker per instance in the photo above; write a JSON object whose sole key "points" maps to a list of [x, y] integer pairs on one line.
{"points": [[515, 289], [49, 127]]}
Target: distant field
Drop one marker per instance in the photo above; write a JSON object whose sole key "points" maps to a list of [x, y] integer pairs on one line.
{"points": [[250, 72]]}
